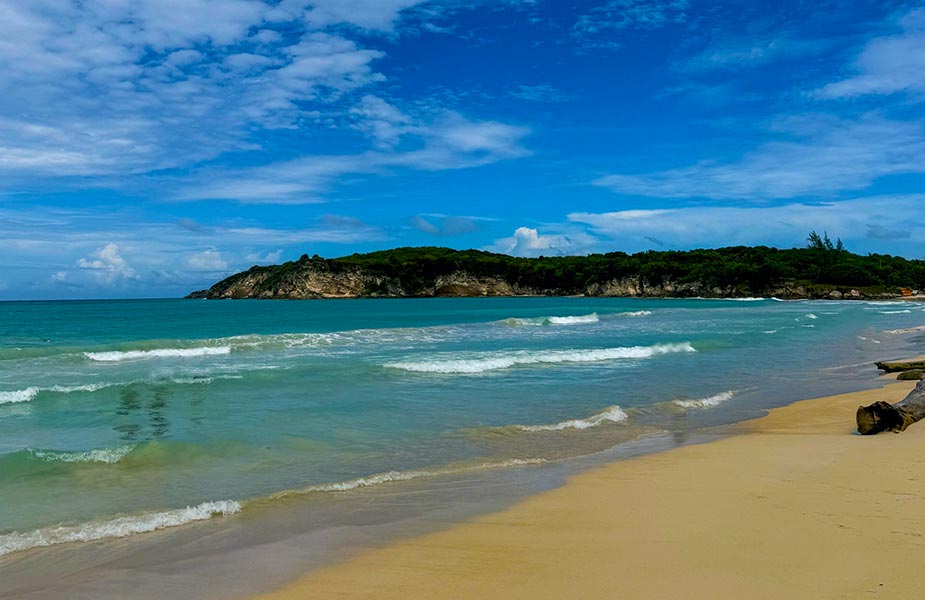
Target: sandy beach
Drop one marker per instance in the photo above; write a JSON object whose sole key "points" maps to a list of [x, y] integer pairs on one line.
{"points": [[795, 506]]}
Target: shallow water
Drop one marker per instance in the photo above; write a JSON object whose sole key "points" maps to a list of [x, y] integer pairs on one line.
{"points": [[120, 417]]}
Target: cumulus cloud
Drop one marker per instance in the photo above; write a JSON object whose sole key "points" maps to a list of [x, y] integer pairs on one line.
{"points": [[108, 265], [527, 241]]}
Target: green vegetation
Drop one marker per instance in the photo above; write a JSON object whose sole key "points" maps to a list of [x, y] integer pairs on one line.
{"points": [[819, 268]]}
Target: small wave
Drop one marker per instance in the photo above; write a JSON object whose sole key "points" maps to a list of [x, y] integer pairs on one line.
{"points": [[540, 321], [749, 299], [635, 313], [810, 316], [117, 356], [15, 396], [115, 528], [708, 402], [613, 414], [770, 331], [397, 476], [495, 361], [895, 312], [101, 455]]}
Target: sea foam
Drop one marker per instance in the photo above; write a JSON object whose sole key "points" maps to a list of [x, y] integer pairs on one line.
{"points": [[636, 313], [708, 402], [115, 528], [491, 361], [100, 455], [613, 414], [116, 356]]}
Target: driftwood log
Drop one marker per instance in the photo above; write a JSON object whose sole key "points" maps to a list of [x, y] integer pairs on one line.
{"points": [[883, 416]]}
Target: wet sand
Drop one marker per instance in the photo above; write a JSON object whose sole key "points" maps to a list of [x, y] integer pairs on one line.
{"points": [[797, 506]]}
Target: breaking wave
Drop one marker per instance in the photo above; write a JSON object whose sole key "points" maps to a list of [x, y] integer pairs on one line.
{"points": [[115, 528], [895, 312], [636, 313], [708, 402], [613, 414], [540, 321], [491, 361], [18, 395], [118, 356]]}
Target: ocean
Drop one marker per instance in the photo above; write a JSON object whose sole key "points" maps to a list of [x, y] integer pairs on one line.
{"points": [[118, 418]]}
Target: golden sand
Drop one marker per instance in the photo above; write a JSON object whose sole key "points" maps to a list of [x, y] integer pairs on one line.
{"points": [[795, 507]]}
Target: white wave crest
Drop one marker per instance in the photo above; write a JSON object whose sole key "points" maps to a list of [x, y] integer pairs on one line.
{"points": [[15, 396], [636, 313], [503, 360], [811, 316], [748, 299], [100, 455], [895, 312], [115, 528], [613, 414], [592, 318], [708, 402], [541, 321], [116, 356], [397, 476]]}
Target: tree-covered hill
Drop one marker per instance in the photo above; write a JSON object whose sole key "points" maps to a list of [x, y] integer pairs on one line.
{"points": [[822, 269]]}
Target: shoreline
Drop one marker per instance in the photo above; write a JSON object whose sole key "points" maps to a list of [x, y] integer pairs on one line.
{"points": [[791, 505]]}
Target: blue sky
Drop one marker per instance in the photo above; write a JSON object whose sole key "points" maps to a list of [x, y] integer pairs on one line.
{"points": [[151, 147]]}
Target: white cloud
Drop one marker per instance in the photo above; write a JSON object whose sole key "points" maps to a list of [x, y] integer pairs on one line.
{"points": [[449, 141], [208, 260], [887, 64], [818, 155], [527, 241], [367, 14], [785, 225], [114, 87], [108, 265]]}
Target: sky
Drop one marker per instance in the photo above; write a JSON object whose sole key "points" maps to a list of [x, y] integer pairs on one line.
{"points": [[149, 148]]}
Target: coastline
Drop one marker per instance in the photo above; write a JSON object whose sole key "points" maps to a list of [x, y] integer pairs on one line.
{"points": [[793, 506]]}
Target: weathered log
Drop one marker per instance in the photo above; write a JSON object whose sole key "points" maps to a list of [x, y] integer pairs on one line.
{"points": [[895, 367], [883, 416]]}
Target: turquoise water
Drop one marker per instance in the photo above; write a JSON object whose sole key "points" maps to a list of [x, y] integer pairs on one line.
{"points": [[119, 417]]}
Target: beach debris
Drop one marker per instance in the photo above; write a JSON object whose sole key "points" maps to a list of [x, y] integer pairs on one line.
{"points": [[883, 416]]}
